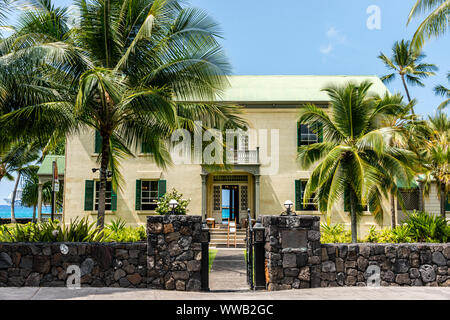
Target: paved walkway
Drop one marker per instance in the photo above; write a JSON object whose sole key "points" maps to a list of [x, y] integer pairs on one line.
{"points": [[228, 271], [346, 293]]}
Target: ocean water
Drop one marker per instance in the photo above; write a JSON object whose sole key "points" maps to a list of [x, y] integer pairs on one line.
{"points": [[20, 212]]}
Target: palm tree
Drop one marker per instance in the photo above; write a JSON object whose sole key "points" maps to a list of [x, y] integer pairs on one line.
{"points": [[17, 160], [356, 153], [435, 24], [135, 69], [441, 90], [437, 156], [406, 63]]}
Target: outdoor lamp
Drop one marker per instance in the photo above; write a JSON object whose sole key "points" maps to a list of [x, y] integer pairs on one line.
{"points": [[173, 204], [258, 229], [288, 204]]}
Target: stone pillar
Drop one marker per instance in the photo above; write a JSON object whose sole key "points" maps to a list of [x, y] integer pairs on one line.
{"points": [[40, 186], [293, 252], [174, 252], [257, 194], [204, 196]]}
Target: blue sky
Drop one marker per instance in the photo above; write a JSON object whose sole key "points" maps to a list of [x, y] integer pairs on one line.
{"points": [[323, 37]]}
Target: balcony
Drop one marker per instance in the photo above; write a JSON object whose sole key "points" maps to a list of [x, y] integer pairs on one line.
{"points": [[243, 156]]}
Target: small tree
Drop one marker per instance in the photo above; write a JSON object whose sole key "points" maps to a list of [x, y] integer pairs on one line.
{"points": [[163, 203]]}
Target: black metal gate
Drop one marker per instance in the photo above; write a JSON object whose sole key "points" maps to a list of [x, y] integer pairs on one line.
{"points": [[249, 251]]}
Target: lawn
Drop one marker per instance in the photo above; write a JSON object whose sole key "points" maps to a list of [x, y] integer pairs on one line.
{"points": [[212, 256]]}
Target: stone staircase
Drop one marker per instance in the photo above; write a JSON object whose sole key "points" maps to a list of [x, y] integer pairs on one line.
{"points": [[219, 238]]}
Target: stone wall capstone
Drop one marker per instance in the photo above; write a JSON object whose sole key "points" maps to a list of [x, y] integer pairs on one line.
{"points": [[174, 252]]}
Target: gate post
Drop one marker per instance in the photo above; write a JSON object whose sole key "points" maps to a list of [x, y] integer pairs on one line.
{"points": [[259, 242], [206, 237]]}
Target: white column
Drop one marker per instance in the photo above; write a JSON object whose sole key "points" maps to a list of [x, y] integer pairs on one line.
{"points": [[257, 194], [39, 201], [204, 192]]}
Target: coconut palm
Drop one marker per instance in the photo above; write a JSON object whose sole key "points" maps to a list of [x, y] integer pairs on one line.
{"points": [[356, 153], [437, 157], [135, 69], [443, 91], [406, 63], [435, 24]]}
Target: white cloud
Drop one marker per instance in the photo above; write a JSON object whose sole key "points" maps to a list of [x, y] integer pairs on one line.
{"points": [[335, 37], [326, 49]]}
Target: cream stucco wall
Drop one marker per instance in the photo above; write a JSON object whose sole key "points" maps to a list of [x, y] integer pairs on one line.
{"points": [[276, 186]]}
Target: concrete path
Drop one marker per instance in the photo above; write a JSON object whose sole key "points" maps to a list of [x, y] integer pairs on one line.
{"points": [[353, 293], [228, 271]]}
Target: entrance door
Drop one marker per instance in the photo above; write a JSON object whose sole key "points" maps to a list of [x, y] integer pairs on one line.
{"points": [[230, 203]]}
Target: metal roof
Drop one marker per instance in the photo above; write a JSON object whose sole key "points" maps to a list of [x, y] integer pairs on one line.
{"points": [[47, 165], [290, 88]]}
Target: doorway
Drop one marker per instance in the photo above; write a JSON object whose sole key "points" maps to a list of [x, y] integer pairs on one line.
{"points": [[230, 203]]}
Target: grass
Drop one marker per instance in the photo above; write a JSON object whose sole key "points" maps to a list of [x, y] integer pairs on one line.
{"points": [[212, 256]]}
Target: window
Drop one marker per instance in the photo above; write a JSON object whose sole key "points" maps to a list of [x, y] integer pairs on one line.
{"points": [[148, 192], [309, 135], [108, 195], [149, 195], [300, 187], [410, 199]]}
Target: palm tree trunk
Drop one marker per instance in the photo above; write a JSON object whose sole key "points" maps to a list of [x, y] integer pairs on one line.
{"points": [[353, 213], [2, 171], [103, 180], [443, 200], [393, 217], [34, 214], [407, 93], [13, 199]]}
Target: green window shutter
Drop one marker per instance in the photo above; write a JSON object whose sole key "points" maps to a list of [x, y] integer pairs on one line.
{"points": [[98, 142], [145, 148], [89, 195], [113, 200], [298, 195], [299, 134], [161, 188], [138, 195]]}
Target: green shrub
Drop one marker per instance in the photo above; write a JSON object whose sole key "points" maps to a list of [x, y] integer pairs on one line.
{"points": [[125, 234], [52, 231], [163, 204], [424, 227], [335, 234], [116, 225]]}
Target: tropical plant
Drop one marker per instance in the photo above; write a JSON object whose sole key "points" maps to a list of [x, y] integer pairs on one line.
{"points": [[443, 91], [336, 233], [425, 227], [163, 207], [406, 62], [435, 24], [356, 153], [53, 231], [116, 225], [436, 157], [134, 70], [125, 234]]}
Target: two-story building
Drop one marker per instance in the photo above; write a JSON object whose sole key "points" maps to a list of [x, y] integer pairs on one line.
{"points": [[264, 172]]}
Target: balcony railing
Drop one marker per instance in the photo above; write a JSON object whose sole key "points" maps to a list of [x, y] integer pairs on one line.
{"points": [[243, 156]]}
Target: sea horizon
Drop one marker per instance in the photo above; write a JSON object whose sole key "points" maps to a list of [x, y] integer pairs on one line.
{"points": [[20, 211]]}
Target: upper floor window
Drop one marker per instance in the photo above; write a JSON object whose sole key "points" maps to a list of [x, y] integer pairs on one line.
{"points": [[307, 135]]}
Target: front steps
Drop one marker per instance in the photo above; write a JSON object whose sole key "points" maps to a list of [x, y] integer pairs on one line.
{"points": [[219, 238]]}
